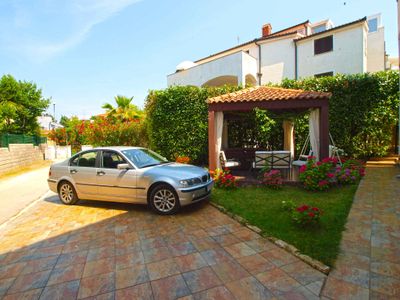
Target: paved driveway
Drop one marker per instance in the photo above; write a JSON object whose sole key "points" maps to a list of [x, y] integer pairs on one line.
{"points": [[108, 250]]}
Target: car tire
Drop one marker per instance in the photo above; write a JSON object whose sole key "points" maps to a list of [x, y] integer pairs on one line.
{"points": [[67, 193], [164, 200]]}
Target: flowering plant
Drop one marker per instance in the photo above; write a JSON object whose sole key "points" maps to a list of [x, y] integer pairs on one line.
{"points": [[306, 215], [182, 159], [273, 179], [318, 176], [224, 179], [351, 171]]}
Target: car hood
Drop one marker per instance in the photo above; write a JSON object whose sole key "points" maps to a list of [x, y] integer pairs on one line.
{"points": [[177, 171]]}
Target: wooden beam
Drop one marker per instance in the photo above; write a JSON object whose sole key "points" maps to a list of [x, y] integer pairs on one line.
{"points": [[212, 158], [324, 132]]}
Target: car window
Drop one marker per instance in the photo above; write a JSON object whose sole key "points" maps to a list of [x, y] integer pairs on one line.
{"points": [[142, 158], [112, 159], [74, 161], [87, 159]]}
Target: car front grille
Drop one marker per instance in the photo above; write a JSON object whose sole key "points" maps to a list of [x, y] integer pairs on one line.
{"points": [[204, 178]]}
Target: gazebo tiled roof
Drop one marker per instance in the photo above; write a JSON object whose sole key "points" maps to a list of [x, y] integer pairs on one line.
{"points": [[266, 93]]}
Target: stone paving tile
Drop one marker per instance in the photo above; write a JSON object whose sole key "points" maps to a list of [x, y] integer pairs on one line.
{"points": [[66, 290], [131, 276], [229, 271], [28, 295], [278, 281], [217, 293], [368, 266], [201, 279], [170, 287], [140, 291], [190, 262], [95, 285], [116, 251], [249, 288], [303, 273], [255, 264], [29, 282], [163, 268]]}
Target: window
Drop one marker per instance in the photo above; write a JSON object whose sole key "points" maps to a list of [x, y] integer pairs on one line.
{"points": [[323, 74], [373, 25], [87, 159], [319, 28], [112, 159], [323, 45]]}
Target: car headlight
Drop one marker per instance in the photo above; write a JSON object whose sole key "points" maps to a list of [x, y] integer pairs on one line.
{"points": [[190, 182]]}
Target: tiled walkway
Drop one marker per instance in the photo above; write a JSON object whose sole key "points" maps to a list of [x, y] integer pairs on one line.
{"points": [[369, 264], [107, 250]]}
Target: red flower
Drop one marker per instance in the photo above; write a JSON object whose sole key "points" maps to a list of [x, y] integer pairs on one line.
{"points": [[315, 209], [312, 215]]}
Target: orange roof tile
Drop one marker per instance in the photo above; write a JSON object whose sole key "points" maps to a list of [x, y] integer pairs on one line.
{"points": [[266, 93]]}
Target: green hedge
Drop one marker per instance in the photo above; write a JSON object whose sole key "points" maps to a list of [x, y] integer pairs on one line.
{"points": [[177, 120], [362, 112], [363, 109]]}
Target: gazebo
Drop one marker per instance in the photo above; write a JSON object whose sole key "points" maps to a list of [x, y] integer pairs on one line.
{"points": [[273, 99]]}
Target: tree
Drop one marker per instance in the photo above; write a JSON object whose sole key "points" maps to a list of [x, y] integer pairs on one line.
{"points": [[124, 111], [21, 103]]}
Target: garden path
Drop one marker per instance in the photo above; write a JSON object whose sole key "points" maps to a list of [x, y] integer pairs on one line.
{"points": [[368, 266]]}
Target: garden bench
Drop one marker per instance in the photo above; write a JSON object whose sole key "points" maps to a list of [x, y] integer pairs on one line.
{"points": [[272, 159]]}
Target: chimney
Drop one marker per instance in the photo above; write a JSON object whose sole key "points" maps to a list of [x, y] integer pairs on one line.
{"points": [[266, 30]]}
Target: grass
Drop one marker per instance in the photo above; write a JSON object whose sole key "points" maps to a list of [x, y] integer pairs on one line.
{"points": [[262, 207], [20, 170]]}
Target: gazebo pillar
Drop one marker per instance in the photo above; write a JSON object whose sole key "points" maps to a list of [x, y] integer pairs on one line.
{"points": [[212, 153], [324, 132]]}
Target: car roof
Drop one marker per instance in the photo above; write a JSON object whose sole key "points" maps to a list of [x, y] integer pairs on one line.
{"points": [[118, 148]]}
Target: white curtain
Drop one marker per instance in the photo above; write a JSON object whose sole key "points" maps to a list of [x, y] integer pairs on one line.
{"points": [[225, 136], [314, 132], [288, 139], [219, 128]]}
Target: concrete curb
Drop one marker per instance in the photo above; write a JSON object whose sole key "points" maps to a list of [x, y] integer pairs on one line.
{"points": [[290, 248]]}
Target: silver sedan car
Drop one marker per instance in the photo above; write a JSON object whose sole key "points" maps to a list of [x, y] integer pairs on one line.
{"points": [[131, 175]]}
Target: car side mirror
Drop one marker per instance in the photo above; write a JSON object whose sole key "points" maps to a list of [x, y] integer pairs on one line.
{"points": [[123, 166]]}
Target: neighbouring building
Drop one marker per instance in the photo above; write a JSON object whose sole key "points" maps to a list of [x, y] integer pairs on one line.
{"points": [[46, 123], [303, 50]]}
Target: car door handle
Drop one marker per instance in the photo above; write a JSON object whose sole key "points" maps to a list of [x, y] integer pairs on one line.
{"points": [[73, 171], [101, 173]]}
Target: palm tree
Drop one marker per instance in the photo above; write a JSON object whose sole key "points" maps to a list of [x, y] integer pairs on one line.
{"points": [[124, 111]]}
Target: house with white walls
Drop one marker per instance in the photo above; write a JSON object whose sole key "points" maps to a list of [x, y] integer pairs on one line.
{"points": [[303, 50]]}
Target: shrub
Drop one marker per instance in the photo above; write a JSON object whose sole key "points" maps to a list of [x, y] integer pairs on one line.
{"points": [[273, 179], [318, 176], [288, 205], [224, 179], [306, 215], [363, 109], [178, 120], [351, 172]]}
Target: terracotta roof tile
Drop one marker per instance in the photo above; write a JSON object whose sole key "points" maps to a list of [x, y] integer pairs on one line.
{"points": [[266, 93]]}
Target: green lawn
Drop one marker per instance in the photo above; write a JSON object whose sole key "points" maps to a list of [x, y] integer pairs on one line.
{"points": [[262, 207]]}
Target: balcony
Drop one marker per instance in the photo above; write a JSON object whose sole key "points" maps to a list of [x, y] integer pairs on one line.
{"points": [[233, 69]]}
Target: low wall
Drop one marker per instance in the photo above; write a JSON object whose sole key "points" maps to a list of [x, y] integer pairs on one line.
{"points": [[19, 155], [57, 152]]}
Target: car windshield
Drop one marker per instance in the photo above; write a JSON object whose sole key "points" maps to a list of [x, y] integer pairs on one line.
{"points": [[144, 157]]}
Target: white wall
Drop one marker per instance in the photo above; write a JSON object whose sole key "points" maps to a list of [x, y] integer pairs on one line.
{"points": [[277, 60], [347, 57], [376, 50], [232, 65]]}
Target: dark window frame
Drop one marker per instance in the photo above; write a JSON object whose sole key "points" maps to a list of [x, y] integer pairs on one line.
{"points": [[325, 74], [101, 165], [321, 47], [96, 165]]}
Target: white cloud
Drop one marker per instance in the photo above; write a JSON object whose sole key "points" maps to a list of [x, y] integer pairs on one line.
{"points": [[77, 17]]}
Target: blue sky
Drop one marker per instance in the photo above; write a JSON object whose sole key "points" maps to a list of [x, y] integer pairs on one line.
{"points": [[84, 52]]}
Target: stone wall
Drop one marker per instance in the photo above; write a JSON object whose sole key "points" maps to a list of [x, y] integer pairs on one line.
{"points": [[19, 155]]}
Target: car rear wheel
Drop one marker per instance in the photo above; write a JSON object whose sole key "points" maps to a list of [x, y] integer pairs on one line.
{"points": [[67, 193], [164, 200]]}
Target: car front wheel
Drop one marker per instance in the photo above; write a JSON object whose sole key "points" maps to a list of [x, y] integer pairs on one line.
{"points": [[67, 193], [164, 200]]}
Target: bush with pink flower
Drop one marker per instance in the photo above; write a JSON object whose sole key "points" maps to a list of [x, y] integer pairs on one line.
{"points": [[306, 215], [320, 176], [273, 179]]}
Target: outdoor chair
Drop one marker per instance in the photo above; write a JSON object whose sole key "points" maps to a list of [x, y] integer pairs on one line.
{"points": [[227, 163], [272, 160], [302, 160]]}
